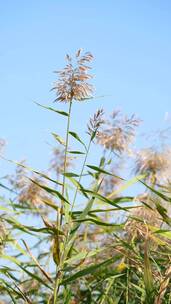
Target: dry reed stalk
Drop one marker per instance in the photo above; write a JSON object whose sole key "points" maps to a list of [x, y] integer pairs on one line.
{"points": [[163, 286]]}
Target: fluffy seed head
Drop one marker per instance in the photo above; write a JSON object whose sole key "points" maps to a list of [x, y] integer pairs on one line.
{"points": [[143, 216], [18, 180], [32, 193], [119, 132], [73, 80], [153, 163], [110, 182], [57, 161], [3, 236], [95, 122]]}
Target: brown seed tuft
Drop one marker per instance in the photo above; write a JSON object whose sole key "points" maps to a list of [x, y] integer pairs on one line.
{"points": [[143, 215], [73, 79], [32, 193], [3, 236], [111, 182], [95, 122], [119, 133], [19, 180], [156, 165], [57, 161]]}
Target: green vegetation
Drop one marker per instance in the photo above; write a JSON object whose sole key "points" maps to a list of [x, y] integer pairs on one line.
{"points": [[75, 235]]}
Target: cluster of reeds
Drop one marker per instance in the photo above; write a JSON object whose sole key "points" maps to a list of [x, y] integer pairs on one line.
{"points": [[87, 244]]}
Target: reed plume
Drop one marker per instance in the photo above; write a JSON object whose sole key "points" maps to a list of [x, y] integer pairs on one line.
{"points": [[3, 235], [73, 82], [155, 165], [95, 122], [18, 179], [118, 133], [57, 161], [142, 215], [32, 193]]}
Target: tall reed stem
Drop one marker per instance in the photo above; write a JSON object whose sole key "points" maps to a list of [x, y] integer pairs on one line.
{"points": [[57, 284], [65, 159], [58, 277]]}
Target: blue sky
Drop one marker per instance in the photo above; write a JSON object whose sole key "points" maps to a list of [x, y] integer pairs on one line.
{"points": [[131, 42]]}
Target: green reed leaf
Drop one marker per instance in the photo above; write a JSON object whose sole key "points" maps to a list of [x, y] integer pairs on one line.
{"points": [[51, 191], [76, 152], [100, 223], [76, 136], [52, 109], [148, 278], [89, 270], [59, 139], [100, 170]]}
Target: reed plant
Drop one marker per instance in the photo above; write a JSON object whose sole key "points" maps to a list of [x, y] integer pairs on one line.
{"points": [[71, 235]]}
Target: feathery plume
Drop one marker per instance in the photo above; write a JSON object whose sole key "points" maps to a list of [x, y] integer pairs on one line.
{"points": [[110, 182], [73, 79], [32, 193], [3, 236], [119, 133], [145, 216], [156, 165], [57, 161], [95, 122], [18, 180], [29, 191]]}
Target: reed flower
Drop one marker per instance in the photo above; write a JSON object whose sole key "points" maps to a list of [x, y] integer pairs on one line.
{"points": [[18, 179], [27, 187], [143, 215], [3, 236], [73, 79], [30, 286], [57, 161], [156, 165], [118, 133], [95, 122], [111, 182], [32, 193]]}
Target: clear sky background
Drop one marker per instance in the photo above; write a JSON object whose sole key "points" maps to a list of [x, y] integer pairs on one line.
{"points": [[131, 42]]}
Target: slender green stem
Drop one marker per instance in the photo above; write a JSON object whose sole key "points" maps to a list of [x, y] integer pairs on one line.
{"points": [[127, 285], [58, 279], [57, 284], [108, 287], [81, 174], [65, 159], [56, 290]]}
